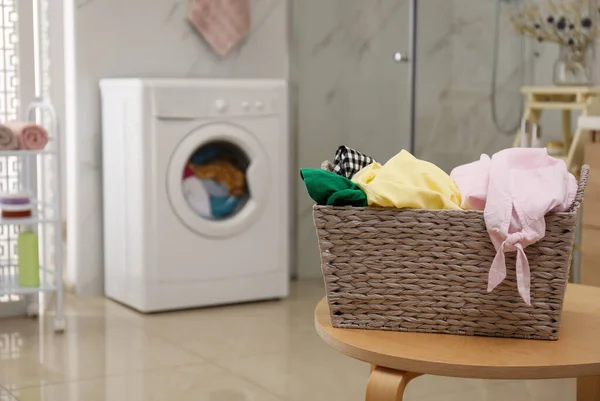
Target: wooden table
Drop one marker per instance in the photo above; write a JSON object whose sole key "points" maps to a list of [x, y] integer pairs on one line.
{"points": [[397, 358]]}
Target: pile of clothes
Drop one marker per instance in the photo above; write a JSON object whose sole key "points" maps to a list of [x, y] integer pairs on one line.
{"points": [[214, 183], [354, 179], [515, 189]]}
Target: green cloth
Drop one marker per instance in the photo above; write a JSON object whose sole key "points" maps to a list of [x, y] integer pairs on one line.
{"points": [[327, 188]]}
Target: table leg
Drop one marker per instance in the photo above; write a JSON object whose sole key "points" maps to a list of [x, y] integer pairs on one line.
{"points": [[533, 116], [388, 384], [588, 388], [566, 128]]}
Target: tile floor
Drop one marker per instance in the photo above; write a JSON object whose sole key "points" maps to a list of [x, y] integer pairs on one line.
{"points": [[255, 352]]}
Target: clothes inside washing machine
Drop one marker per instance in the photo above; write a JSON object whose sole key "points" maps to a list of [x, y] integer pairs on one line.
{"points": [[214, 180]]}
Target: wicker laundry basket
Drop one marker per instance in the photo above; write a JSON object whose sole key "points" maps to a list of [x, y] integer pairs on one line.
{"points": [[427, 271]]}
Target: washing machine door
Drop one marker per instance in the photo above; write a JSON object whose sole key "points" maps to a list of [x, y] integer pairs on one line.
{"points": [[218, 179]]}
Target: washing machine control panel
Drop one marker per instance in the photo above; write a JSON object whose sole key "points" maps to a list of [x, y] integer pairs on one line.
{"points": [[241, 106], [221, 105]]}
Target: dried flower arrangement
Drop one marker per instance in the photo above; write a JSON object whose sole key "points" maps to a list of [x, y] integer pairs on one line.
{"points": [[565, 22], [568, 23]]}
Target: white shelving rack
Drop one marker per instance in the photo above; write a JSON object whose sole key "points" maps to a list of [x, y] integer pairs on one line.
{"points": [[37, 172]]}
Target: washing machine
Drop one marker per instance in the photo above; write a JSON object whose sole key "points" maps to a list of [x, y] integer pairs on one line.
{"points": [[196, 180]]}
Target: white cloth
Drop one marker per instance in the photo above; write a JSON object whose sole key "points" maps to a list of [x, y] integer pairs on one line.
{"points": [[215, 188], [197, 196]]}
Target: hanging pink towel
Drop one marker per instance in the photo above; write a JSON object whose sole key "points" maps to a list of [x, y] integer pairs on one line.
{"points": [[31, 136], [523, 184], [223, 23]]}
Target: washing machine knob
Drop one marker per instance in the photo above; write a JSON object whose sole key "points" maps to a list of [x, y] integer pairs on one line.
{"points": [[259, 105], [246, 105], [221, 105]]}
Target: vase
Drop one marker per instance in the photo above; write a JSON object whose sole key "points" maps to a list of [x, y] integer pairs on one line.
{"points": [[573, 66]]}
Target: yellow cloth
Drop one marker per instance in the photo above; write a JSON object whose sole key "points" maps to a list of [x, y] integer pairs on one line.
{"points": [[407, 182]]}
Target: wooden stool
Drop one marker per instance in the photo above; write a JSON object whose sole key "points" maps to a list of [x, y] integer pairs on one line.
{"points": [[398, 358], [590, 218], [565, 99]]}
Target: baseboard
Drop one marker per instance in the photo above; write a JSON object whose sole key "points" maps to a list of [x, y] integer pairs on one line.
{"points": [[14, 308]]}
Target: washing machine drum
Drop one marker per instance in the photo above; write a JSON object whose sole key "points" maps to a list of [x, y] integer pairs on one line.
{"points": [[218, 179]]}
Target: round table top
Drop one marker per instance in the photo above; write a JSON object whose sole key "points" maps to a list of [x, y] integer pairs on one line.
{"points": [[575, 354]]}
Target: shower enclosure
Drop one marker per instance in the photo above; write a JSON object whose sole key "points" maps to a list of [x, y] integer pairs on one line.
{"points": [[352, 62]]}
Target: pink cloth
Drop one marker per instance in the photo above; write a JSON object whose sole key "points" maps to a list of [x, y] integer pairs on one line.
{"points": [[472, 181], [523, 184], [223, 23], [31, 136]]}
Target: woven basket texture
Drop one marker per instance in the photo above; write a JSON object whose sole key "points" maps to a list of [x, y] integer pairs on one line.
{"points": [[427, 271]]}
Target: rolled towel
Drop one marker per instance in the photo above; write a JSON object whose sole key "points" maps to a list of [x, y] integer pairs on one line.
{"points": [[8, 140], [31, 136]]}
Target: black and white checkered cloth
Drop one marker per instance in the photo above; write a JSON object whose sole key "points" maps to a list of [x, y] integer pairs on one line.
{"points": [[348, 161]]}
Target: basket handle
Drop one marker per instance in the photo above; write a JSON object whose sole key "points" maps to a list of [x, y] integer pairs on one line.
{"points": [[583, 179], [327, 166]]}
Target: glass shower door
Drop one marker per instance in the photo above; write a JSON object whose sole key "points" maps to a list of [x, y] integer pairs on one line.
{"points": [[470, 71], [349, 91]]}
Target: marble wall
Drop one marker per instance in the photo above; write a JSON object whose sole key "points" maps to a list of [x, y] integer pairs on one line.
{"points": [[116, 38], [460, 128], [347, 88], [349, 91]]}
